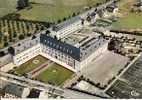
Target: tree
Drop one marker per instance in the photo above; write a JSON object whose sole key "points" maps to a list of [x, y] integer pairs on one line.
{"points": [[47, 32], [14, 34], [21, 37], [2, 53], [74, 14], [22, 4], [64, 19], [5, 38], [59, 21], [111, 45], [11, 50], [29, 34], [6, 44], [33, 37]]}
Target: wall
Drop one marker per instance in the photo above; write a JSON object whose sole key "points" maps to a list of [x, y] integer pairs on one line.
{"points": [[94, 55], [27, 55]]}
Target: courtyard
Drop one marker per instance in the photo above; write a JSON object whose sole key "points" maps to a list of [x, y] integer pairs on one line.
{"points": [[105, 67], [42, 69], [55, 75], [30, 65]]}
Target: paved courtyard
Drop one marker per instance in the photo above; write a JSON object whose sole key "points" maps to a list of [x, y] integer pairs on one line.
{"points": [[105, 67]]}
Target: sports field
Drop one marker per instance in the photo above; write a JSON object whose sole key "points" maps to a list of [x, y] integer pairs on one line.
{"points": [[54, 10], [55, 75], [30, 65]]}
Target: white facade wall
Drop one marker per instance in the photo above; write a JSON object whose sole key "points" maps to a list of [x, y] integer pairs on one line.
{"points": [[56, 56], [27, 55], [94, 55]]}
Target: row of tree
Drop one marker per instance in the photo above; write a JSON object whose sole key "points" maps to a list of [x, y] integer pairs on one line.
{"points": [[13, 30]]}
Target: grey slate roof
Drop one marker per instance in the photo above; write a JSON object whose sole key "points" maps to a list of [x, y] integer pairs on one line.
{"points": [[14, 89], [66, 23]]}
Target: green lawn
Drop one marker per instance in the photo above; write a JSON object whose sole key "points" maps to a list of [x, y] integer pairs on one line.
{"points": [[53, 10], [29, 66], [132, 21], [55, 74]]}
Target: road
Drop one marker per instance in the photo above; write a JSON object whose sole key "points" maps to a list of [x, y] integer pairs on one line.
{"points": [[66, 93]]}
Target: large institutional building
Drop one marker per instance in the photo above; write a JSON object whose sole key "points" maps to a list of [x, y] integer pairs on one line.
{"points": [[68, 44], [70, 53]]}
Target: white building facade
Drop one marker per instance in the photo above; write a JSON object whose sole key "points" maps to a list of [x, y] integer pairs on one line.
{"points": [[59, 52]]}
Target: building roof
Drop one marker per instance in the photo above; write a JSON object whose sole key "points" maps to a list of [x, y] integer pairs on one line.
{"points": [[66, 23], [111, 7], [25, 44], [66, 48], [14, 89]]}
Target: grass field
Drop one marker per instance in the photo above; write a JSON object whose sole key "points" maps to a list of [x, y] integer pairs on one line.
{"points": [[132, 21], [55, 74], [30, 65], [53, 10], [7, 6]]}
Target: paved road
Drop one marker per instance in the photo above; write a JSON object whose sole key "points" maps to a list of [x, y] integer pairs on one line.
{"points": [[35, 84]]}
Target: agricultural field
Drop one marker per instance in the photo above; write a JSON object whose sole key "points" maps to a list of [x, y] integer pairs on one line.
{"points": [[30, 65], [14, 30], [54, 10], [55, 75], [132, 21], [7, 6], [128, 20]]}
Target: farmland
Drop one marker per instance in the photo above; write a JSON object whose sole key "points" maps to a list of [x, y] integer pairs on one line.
{"points": [[128, 20], [12, 31], [52, 10]]}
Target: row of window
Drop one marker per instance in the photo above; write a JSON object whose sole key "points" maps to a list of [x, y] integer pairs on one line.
{"points": [[58, 55], [28, 54], [59, 47]]}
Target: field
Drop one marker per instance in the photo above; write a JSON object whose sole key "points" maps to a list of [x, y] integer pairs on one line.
{"points": [[54, 10], [128, 20], [55, 75], [7, 6], [30, 65], [12, 30], [132, 21], [129, 85]]}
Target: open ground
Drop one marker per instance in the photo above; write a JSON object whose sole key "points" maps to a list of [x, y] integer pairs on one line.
{"points": [[54, 10], [105, 67], [129, 20]]}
